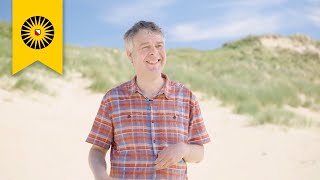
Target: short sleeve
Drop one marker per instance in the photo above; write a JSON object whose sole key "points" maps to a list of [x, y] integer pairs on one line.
{"points": [[101, 133], [197, 130]]}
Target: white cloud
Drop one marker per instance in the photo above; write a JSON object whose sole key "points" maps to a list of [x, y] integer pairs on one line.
{"points": [[229, 29], [238, 18], [301, 15], [248, 3], [313, 12], [315, 18], [136, 10]]}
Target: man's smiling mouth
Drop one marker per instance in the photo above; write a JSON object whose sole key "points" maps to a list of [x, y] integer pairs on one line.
{"points": [[153, 61]]}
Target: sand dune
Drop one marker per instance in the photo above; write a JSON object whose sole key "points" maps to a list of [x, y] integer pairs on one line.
{"points": [[42, 137]]}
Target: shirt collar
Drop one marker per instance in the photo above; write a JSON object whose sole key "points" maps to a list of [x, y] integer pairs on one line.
{"points": [[166, 89]]}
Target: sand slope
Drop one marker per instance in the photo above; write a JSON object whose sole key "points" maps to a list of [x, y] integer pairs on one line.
{"points": [[42, 137]]}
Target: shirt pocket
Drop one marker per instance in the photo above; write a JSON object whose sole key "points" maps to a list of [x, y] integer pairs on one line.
{"points": [[172, 128], [130, 131]]}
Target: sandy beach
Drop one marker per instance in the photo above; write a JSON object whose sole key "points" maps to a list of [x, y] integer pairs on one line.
{"points": [[43, 138]]}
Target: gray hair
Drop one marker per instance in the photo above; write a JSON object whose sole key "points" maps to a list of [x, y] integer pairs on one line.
{"points": [[147, 25]]}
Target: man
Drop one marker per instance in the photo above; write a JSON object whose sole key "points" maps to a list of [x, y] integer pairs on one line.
{"points": [[152, 124]]}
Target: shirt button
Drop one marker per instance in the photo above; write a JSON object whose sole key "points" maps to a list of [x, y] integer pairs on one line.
{"points": [[152, 121], [154, 141]]}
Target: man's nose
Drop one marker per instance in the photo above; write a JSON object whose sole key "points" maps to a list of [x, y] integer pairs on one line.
{"points": [[153, 50]]}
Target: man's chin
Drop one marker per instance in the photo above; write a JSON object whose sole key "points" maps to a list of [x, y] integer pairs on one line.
{"points": [[154, 72]]}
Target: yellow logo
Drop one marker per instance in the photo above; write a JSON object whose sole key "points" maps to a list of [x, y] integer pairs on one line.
{"points": [[37, 32]]}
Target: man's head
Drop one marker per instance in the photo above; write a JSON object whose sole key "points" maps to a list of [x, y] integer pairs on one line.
{"points": [[144, 43]]}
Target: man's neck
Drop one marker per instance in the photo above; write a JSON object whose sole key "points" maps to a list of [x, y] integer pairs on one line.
{"points": [[150, 85]]}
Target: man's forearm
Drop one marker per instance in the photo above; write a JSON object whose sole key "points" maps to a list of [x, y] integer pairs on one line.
{"points": [[98, 164], [194, 153]]}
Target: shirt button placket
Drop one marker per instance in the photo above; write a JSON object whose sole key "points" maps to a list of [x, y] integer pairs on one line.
{"points": [[152, 123]]}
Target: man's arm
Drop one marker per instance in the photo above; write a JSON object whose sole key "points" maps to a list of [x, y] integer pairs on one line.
{"points": [[171, 155], [98, 163], [194, 153]]}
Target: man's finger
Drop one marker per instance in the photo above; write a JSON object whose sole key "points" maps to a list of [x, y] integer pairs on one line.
{"points": [[160, 158], [160, 164], [168, 164]]}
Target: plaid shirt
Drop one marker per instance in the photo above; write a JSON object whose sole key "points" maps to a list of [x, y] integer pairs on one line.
{"points": [[138, 128]]}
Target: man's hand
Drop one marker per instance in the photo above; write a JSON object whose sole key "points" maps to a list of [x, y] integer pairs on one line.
{"points": [[171, 155], [110, 178]]}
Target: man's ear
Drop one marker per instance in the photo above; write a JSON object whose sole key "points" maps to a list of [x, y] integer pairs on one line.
{"points": [[129, 55]]}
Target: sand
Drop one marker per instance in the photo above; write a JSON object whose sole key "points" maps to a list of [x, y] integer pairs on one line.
{"points": [[43, 138]]}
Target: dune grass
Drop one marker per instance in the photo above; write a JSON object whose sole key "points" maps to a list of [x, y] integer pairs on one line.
{"points": [[255, 80], [105, 67]]}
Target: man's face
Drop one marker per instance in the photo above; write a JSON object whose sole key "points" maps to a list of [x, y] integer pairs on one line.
{"points": [[148, 54]]}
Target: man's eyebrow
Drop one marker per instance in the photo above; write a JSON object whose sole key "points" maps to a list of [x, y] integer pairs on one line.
{"points": [[147, 43], [142, 44]]}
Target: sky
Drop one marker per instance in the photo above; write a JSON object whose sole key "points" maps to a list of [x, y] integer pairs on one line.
{"points": [[195, 24]]}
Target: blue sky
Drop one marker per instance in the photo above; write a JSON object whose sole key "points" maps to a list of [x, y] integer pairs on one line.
{"points": [[195, 24]]}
